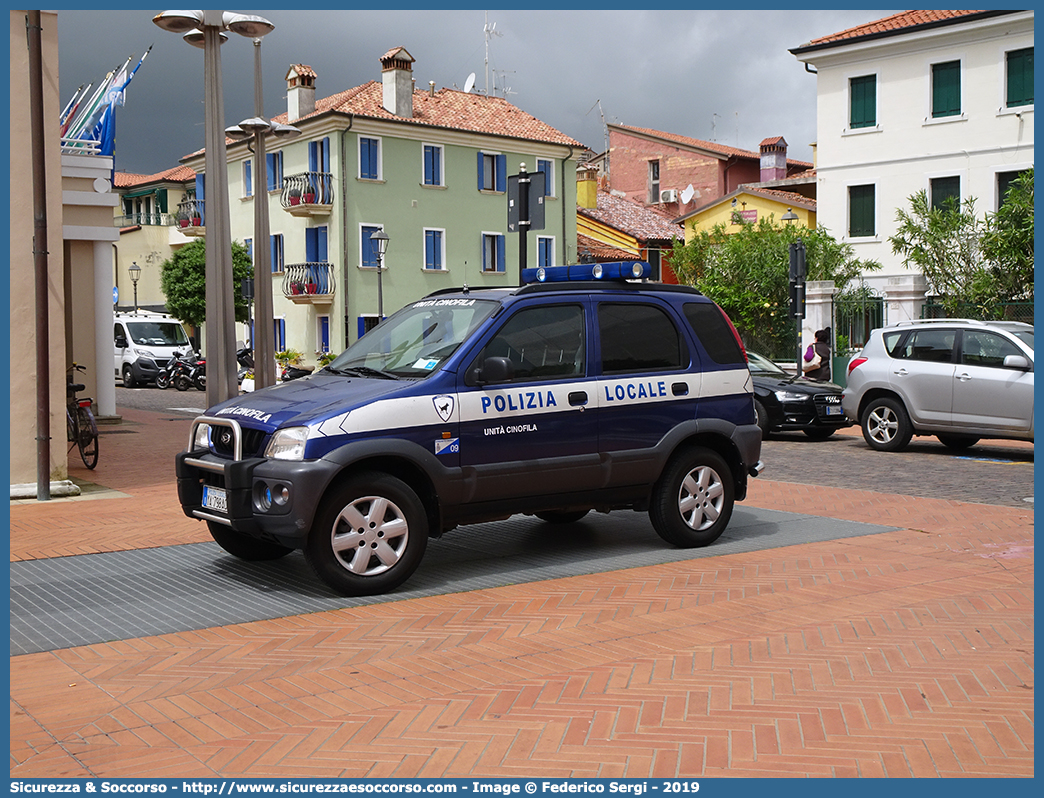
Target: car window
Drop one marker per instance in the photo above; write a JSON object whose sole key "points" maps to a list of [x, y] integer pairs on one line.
{"points": [[892, 341], [980, 348], [545, 342], [762, 366], [157, 333], [934, 346], [712, 330], [638, 337]]}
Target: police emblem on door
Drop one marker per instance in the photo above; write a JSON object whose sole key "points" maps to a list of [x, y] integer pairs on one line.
{"points": [[443, 406]]}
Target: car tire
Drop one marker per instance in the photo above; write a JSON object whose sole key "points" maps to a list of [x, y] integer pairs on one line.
{"points": [[819, 433], [957, 441], [693, 499], [369, 535], [128, 377], [562, 516], [761, 417], [244, 546], [886, 426]]}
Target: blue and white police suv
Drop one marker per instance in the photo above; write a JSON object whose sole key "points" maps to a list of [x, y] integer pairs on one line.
{"points": [[580, 390]]}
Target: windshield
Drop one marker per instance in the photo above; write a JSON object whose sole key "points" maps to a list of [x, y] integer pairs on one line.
{"points": [[157, 333], [416, 340], [763, 366]]}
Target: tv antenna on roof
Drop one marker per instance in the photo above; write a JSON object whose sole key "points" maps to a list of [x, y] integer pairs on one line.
{"points": [[469, 84], [490, 31]]}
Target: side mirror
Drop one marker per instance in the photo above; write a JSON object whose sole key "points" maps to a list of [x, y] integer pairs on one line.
{"points": [[495, 370], [121, 342], [1018, 362]]}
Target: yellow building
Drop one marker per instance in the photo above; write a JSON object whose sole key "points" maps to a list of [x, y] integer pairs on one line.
{"points": [[746, 205]]}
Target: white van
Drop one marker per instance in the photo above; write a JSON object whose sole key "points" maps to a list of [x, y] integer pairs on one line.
{"points": [[143, 343]]}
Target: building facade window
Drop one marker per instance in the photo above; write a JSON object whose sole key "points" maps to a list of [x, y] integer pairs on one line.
{"points": [[861, 211], [279, 328], [434, 249], [248, 178], [1019, 78], [369, 158], [548, 168], [432, 165], [319, 155], [653, 182], [944, 189], [1004, 181], [492, 172], [323, 333], [367, 257], [946, 89], [277, 252], [545, 252], [248, 243], [367, 323], [274, 161], [493, 253], [862, 93]]}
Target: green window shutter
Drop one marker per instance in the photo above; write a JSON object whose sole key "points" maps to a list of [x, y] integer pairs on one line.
{"points": [[945, 188], [863, 101], [861, 211], [1020, 77], [946, 89]]}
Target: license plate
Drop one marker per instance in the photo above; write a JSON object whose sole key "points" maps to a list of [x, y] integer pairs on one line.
{"points": [[215, 499], [835, 410]]}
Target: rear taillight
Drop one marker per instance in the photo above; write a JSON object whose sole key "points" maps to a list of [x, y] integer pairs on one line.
{"points": [[856, 361], [84, 403], [735, 333]]}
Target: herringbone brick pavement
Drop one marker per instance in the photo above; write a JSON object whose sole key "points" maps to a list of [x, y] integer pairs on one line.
{"points": [[908, 653]]}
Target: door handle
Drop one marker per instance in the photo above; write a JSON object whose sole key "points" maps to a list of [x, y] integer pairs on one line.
{"points": [[680, 388], [578, 398], [901, 372], [964, 377]]}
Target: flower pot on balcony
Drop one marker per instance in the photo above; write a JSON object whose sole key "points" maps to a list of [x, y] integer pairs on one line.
{"points": [[183, 222], [308, 198], [197, 221], [294, 195], [295, 200], [311, 288], [295, 288]]}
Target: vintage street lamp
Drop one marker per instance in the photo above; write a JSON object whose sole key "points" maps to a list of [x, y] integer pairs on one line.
{"points": [[379, 242], [135, 274]]}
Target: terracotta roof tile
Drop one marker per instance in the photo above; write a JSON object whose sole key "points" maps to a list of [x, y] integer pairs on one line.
{"points": [[448, 108], [586, 244], [303, 70], [712, 146], [178, 174], [632, 218], [896, 23]]}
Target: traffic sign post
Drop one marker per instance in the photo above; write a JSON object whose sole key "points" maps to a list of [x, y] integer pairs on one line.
{"points": [[797, 292], [525, 192]]}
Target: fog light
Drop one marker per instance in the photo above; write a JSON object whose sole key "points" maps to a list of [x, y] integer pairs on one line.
{"points": [[262, 497], [280, 495]]}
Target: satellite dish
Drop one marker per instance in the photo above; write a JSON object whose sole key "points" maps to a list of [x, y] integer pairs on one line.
{"points": [[686, 195], [469, 84]]}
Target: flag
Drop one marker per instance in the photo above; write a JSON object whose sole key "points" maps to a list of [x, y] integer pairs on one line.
{"points": [[117, 95]]}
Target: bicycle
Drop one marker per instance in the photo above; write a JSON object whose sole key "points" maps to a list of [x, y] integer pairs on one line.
{"points": [[80, 424]]}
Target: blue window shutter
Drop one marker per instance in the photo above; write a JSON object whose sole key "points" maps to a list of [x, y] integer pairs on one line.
{"points": [[436, 163], [324, 333], [200, 187], [248, 179], [501, 259], [362, 327], [429, 239], [313, 156], [326, 154], [369, 259], [321, 244], [311, 244], [249, 244], [481, 182], [501, 173]]}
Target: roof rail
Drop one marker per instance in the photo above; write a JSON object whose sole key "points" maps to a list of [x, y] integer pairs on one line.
{"points": [[905, 322]]}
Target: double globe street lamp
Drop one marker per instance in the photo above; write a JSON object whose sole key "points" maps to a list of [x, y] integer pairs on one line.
{"points": [[379, 242], [206, 29]]}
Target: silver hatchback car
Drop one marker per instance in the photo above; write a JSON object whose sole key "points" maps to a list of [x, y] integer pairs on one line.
{"points": [[957, 379]]}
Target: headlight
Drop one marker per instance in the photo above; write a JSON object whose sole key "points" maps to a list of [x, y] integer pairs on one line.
{"points": [[791, 396], [202, 439], [287, 444]]}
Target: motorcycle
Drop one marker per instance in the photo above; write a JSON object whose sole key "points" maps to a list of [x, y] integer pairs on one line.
{"points": [[198, 374], [178, 364], [294, 372], [182, 376], [245, 358]]}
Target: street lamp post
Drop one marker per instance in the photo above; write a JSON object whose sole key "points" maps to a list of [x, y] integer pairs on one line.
{"points": [[264, 311], [379, 242], [206, 29], [135, 273]]}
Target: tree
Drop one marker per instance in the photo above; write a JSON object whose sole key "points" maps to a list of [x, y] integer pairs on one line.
{"points": [[748, 274], [1007, 243], [183, 281]]}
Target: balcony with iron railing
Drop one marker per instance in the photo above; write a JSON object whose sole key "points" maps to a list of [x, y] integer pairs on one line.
{"points": [[308, 194], [192, 220], [146, 220], [309, 283]]}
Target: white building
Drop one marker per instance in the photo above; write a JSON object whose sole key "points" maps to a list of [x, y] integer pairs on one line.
{"points": [[934, 100]]}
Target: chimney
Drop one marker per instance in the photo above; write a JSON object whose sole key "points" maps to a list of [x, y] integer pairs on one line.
{"points": [[773, 159], [587, 185], [397, 77], [300, 91]]}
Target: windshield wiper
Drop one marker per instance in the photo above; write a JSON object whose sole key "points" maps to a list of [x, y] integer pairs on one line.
{"points": [[364, 371]]}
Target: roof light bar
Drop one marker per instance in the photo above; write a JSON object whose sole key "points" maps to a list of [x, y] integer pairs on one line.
{"points": [[614, 270]]}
